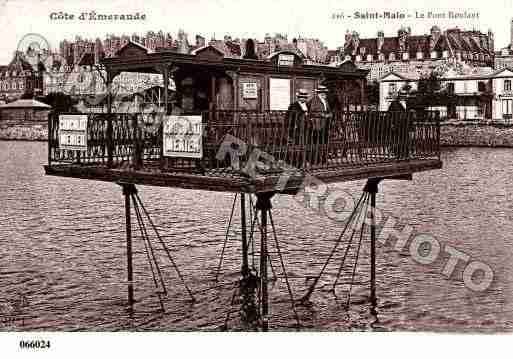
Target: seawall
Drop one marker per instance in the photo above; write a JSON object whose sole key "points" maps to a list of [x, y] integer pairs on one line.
{"points": [[35, 131], [476, 134], [460, 134]]}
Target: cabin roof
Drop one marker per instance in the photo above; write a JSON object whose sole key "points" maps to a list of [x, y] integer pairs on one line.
{"points": [[138, 59], [25, 103]]}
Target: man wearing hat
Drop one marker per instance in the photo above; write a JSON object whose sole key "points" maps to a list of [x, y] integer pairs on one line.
{"points": [[320, 117], [297, 115]]}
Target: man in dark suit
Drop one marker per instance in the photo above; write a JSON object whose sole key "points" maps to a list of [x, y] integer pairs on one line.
{"points": [[297, 115], [318, 126]]}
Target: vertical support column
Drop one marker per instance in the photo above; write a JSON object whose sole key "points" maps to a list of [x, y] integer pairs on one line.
{"points": [[245, 265], [362, 94], [263, 205], [110, 144], [165, 74], [213, 98], [373, 248], [164, 69], [371, 187], [263, 272], [128, 189]]}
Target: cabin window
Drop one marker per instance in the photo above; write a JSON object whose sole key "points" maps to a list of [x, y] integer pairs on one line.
{"points": [[506, 108], [434, 54], [450, 88], [481, 86]]}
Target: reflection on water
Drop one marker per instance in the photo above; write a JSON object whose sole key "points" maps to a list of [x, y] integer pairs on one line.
{"points": [[62, 252]]}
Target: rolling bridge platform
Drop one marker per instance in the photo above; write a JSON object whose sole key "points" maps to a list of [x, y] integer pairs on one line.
{"points": [[233, 133]]}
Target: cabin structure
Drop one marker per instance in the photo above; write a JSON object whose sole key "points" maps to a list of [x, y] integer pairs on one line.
{"points": [[228, 128]]}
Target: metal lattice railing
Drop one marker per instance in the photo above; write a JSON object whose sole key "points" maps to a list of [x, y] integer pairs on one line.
{"points": [[307, 143]]}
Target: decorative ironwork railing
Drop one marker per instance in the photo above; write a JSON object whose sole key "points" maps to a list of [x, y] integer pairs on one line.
{"points": [[276, 138]]}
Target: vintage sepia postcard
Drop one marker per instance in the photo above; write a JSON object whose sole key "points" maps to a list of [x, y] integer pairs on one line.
{"points": [[307, 168]]}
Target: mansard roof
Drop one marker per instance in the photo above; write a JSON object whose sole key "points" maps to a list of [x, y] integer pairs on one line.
{"points": [[452, 40]]}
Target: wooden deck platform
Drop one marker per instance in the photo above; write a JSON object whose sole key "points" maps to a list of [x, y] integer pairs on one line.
{"points": [[234, 183]]}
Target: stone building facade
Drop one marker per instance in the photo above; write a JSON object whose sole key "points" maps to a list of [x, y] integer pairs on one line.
{"points": [[477, 95], [19, 77], [409, 53]]}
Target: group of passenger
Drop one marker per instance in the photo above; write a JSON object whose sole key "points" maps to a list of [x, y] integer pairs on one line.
{"points": [[309, 120]]}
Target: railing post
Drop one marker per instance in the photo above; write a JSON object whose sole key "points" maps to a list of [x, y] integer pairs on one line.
{"points": [[138, 143], [109, 134], [110, 141], [437, 144]]}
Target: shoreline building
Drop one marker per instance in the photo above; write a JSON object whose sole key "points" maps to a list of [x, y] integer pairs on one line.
{"points": [[21, 111], [475, 94], [407, 53], [19, 78]]}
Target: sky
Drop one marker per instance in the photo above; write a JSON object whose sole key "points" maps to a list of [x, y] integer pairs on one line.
{"points": [[241, 18]]}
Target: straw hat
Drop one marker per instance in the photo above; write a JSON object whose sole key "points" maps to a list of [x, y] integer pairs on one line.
{"points": [[321, 89], [302, 93]]}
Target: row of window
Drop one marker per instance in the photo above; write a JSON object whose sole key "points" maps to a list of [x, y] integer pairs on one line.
{"points": [[481, 87], [5, 85], [14, 73], [419, 56]]}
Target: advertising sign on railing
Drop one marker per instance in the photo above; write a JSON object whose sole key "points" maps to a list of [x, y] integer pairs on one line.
{"points": [[183, 136], [73, 132]]}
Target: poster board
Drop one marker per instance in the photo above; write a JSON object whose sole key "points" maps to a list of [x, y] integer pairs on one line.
{"points": [[73, 132], [183, 136], [279, 94]]}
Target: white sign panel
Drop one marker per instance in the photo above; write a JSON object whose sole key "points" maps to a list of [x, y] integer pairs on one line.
{"points": [[279, 94], [249, 90], [73, 132], [285, 60], [183, 136]]}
